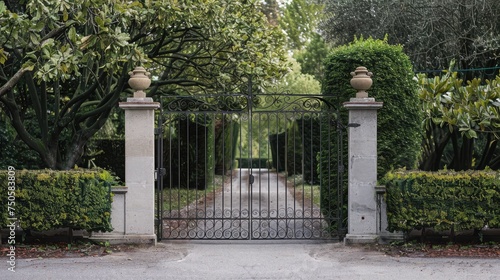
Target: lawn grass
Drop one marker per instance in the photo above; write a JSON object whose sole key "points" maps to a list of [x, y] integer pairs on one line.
{"points": [[178, 198], [312, 192], [306, 190]]}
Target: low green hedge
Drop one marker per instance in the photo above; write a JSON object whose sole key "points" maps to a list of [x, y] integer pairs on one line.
{"points": [[444, 200], [48, 199]]}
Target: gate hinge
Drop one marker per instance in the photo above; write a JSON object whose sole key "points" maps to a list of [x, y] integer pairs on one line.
{"points": [[251, 179], [353, 125], [158, 130]]}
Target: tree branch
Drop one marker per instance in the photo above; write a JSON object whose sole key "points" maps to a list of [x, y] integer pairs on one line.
{"points": [[12, 81]]}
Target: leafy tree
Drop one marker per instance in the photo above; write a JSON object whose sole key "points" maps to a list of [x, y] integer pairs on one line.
{"points": [[432, 32], [295, 82], [65, 63], [14, 152], [460, 122], [300, 21], [312, 57], [272, 11]]}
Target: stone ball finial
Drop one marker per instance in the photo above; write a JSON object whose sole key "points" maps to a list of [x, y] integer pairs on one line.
{"points": [[139, 81], [361, 81]]}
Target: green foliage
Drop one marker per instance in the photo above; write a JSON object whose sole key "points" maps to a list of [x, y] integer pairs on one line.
{"points": [[312, 57], [299, 21], [461, 123], [226, 142], [189, 150], [442, 200], [432, 32], [45, 199], [399, 120], [65, 64], [296, 81], [332, 178], [399, 136], [14, 152], [103, 153], [297, 148]]}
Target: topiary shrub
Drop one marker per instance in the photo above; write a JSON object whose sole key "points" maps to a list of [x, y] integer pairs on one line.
{"points": [[48, 199], [443, 200], [399, 120], [188, 154]]}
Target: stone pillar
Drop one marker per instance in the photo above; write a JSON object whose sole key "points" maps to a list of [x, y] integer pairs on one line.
{"points": [[362, 161], [134, 220]]}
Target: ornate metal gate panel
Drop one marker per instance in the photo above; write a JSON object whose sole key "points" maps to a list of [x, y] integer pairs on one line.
{"points": [[245, 166]]}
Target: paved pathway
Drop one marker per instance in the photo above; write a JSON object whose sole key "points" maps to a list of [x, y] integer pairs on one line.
{"points": [[266, 209], [253, 260]]}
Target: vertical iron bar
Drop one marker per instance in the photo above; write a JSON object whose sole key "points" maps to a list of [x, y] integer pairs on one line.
{"points": [[250, 155], [179, 177], [206, 127], [213, 117], [340, 174], [159, 173]]}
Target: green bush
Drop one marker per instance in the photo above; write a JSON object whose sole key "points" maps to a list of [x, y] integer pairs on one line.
{"points": [[399, 133], [303, 137], [189, 150], [15, 152], [278, 145], [399, 120], [226, 142], [442, 200], [47, 199]]}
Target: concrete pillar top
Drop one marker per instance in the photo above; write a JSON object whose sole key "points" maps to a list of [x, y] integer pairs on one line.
{"points": [[139, 104], [363, 104]]}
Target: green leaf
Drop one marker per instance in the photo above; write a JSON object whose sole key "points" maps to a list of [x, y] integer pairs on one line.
{"points": [[3, 56]]}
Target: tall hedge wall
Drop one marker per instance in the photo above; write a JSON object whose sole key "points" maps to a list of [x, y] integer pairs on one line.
{"points": [[47, 199], [398, 121], [399, 133], [442, 200]]}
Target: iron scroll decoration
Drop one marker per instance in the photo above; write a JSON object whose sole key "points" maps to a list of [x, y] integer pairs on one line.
{"points": [[207, 103], [243, 102], [291, 102]]}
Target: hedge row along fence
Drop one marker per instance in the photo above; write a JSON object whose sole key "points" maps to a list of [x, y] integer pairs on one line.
{"points": [[443, 200], [48, 199]]}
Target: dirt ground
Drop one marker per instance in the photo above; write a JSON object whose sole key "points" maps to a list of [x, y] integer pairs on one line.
{"points": [[84, 248]]}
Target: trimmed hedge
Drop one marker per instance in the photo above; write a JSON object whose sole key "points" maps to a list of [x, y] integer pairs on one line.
{"points": [[399, 132], [298, 147], [48, 199], [189, 151], [399, 121], [443, 200]]}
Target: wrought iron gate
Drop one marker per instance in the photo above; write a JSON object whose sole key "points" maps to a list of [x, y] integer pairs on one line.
{"points": [[247, 166]]}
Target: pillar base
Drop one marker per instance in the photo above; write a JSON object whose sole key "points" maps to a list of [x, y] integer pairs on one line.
{"points": [[114, 238], [361, 239]]}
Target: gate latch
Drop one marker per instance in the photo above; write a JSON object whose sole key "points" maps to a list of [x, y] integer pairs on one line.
{"points": [[160, 172], [251, 179]]}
